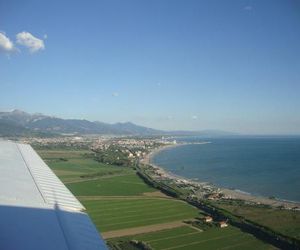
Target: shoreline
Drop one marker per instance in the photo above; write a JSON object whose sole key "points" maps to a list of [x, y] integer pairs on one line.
{"points": [[234, 194]]}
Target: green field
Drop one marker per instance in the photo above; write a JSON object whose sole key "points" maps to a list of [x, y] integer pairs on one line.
{"points": [[284, 221], [70, 165], [88, 177], [123, 185], [189, 238], [121, 213], [49, 154]]}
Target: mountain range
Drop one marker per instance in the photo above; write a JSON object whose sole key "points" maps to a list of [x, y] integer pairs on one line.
{"points": [[20, 123]]}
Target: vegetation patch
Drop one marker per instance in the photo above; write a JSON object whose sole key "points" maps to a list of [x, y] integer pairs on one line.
{"points": [[284, 221], [72, 165], [189, 238], [126, 185], [109, 215], [113, 155]]}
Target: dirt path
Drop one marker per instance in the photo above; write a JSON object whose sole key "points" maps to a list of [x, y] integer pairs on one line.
{"points": [[144, 196], [93, 178], [157, 194], [140, 230], [133, 197]]}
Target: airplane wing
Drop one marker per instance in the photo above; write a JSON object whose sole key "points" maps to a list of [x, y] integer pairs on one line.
{"points": [[37, 211]]}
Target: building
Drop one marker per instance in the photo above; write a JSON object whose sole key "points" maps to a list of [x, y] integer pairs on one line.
{"points": [[130, 155], [37, 211], [223, 224], [208, 219]]}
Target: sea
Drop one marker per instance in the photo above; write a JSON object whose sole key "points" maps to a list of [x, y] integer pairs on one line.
{"points": [[264, 166]]}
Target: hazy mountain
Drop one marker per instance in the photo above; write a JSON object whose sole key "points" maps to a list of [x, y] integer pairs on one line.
{"points": [[19, 117], [18, 122], [11, 128]]}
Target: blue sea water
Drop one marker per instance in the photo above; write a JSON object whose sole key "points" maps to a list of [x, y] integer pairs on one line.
{"points": [[260, 166]]}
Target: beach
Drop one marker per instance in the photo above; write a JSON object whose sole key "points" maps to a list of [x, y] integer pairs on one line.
{"points": [[228, 193]]}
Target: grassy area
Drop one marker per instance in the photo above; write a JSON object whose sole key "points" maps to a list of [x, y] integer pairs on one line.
{"points": [[189, 238], [284, 221], [78, 166], [48, 154], [72, 165], [119, 214], [124, 185]]}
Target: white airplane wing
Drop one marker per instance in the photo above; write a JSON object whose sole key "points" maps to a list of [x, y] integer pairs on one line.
{"points": [[37, 211]]}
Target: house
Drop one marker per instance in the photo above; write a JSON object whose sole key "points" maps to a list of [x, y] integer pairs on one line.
{"points": [[208, 219], [213, 196], [130, 155], [223, 224]]}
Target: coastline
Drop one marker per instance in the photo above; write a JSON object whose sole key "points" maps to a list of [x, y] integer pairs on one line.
{"points": [[229, 193]]}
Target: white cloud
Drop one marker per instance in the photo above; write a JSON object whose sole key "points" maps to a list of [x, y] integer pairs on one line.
{"points": [[6, 44], [194, 117], [248, 8], [115, 94], [33, 43]]}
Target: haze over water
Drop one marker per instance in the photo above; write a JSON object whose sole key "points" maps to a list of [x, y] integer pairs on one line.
{"points": [[261, 166]]}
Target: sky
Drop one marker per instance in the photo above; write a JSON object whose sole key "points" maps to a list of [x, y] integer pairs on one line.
{"points": [[167, 64]]}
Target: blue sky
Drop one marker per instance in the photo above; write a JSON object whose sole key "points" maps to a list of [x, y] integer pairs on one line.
{"points": [[230, 65]]}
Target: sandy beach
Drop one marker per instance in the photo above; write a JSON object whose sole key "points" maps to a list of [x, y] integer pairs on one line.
{"points": [[230, 193]]}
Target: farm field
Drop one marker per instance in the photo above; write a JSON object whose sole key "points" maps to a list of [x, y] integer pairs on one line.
{"points": [[119, 214], [189, 238], [50, 154], [129, 184], [70, 165]]}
